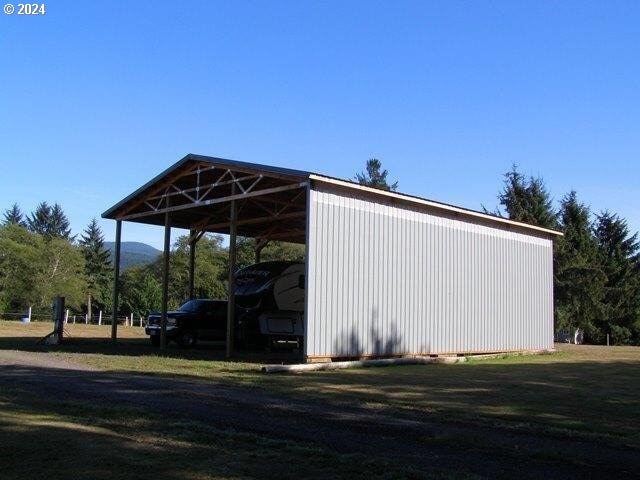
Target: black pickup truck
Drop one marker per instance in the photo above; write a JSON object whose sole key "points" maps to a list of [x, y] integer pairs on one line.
{"points": [[202, 319], [269, 307]]}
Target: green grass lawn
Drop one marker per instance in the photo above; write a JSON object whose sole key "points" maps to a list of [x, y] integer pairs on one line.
{"points": [[58, 440], [581, 391], [576, 388]]}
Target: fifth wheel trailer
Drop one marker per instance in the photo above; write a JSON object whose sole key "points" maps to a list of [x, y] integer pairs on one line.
{"points": [[271, 296]]}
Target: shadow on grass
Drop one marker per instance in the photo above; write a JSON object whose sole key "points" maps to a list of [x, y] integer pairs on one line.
{"points": [[141, 347], [65, 424], [596, 397], [57, 424]]}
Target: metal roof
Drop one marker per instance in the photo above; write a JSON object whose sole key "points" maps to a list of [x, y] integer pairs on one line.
{"points": [[277, 186]]}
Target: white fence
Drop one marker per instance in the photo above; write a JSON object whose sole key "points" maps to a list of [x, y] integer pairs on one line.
{"points": [[99, 318]]}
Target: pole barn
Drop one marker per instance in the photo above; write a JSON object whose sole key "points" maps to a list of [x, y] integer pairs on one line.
{"points": [[387, 274]]}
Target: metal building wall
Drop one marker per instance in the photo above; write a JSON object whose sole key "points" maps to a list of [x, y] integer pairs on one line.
{"points": [[385, 279]]}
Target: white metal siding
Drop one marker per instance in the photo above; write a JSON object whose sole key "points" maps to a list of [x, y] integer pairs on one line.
{"points": [[384, 280]]}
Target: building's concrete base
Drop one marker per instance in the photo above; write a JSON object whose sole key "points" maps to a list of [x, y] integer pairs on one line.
{"points": [[385, 362]]}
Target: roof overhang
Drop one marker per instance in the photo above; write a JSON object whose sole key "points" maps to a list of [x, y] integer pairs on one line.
{"points": [[271, 202], [196, 193]]}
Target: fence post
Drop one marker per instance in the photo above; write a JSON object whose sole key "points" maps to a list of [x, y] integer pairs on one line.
{"points": [[66, 316], [86, 319], [607, 339], [100, 317], [141, 322], [29, 314], [74, 319]]}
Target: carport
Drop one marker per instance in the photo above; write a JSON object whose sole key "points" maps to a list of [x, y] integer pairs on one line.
{"points": [[387, 274], [207, 194]]}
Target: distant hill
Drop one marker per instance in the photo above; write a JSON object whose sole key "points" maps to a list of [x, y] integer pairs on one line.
{"points": [[133, 253]]}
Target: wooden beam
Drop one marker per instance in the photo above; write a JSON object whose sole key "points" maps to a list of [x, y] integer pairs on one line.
{"points": [[192, 262], [186, 191], [116, 282], [291, 202], [247, 169], [165, 281], [286, 235], [253, 221], [231, 308], [154, 190], [259, 244], [204, 203]]}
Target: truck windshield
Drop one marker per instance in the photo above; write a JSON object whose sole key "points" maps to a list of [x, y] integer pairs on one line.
{"points": [[190, 306]]}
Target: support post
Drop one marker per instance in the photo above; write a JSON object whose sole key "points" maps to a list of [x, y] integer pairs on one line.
{"points": [[260, 244], [58, 320], [165, 281], [116, 282], [231, 308], [66, 316], [100, 317], [192, 262], [29, 314]]}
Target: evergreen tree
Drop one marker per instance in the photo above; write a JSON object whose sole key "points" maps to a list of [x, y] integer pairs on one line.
{"points": [[527, 201], [619, 253], [579, 280], [13, 216], [97, 265], [513, 196], [40, 220], [375, 177], [50, 222], [59, 225], [596, 264]]}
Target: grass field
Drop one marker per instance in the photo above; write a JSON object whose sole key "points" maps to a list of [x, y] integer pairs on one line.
{"points": [[586, 394]]}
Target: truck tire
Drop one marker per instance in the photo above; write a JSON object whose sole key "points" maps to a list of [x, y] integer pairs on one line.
{"points": [[187, 339]]}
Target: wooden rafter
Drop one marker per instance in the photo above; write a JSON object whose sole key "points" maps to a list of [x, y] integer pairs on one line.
{"points": [[257, 220], [214, 201], [165, 183]]}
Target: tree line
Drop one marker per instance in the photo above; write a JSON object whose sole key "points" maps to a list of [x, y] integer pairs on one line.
{"points": [[39, 258], [596, 262]]}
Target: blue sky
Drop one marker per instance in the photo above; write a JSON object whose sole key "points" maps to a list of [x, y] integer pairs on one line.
{"points": [[97, 97]]}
